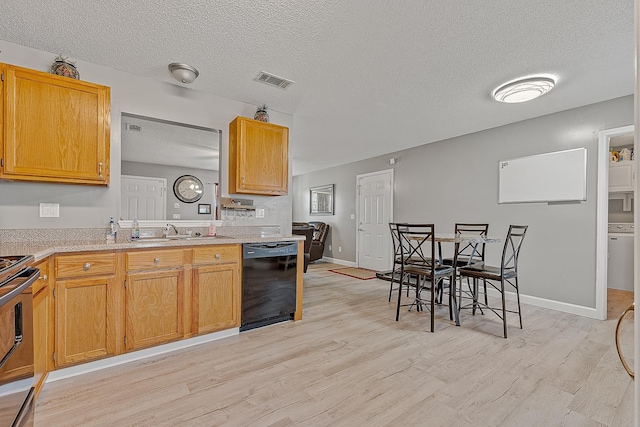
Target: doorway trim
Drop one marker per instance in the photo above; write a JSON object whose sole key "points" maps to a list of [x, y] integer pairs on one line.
{"points": [[602, 216], [357, 218]]}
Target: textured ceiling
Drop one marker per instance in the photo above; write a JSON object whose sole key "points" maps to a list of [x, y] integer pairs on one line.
{"points": [[371, 76]]}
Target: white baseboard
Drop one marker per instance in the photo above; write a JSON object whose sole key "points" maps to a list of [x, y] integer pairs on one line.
{"points": [[564, 307], [137, 355], [340, 261]]}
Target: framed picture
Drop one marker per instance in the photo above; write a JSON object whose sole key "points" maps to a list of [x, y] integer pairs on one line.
{"points": [[204, 208], [321, 200]]}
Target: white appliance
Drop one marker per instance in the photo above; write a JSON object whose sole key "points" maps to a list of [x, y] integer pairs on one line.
{"points": [[620, 260]]}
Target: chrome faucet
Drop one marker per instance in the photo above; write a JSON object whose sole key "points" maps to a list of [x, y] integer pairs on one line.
{"points": [[168, 229]]}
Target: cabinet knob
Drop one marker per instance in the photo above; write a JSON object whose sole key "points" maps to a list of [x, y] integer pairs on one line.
{"points": [[100, 169], [242, 182], [156, 260], [217, 256], [44, 277], [86, 266]]}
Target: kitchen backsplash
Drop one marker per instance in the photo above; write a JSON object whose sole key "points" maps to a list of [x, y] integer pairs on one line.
{"points": [[94, 235]]}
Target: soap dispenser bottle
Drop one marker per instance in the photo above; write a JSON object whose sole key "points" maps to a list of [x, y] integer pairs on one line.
{"points": [[111, 232], [135, 234]]}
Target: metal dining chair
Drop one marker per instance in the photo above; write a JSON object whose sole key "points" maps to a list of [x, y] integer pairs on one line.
{"points": [[417, 260], [469, 253], [397, 256], [498, 277]]}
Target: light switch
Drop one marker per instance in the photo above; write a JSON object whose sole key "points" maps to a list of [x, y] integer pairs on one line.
{"points": [[353, 216], [176, 205], [49, 210], [259, 213], [176, 216]]}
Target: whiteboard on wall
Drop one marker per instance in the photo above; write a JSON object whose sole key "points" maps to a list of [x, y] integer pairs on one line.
{"points": [[551, 177]]}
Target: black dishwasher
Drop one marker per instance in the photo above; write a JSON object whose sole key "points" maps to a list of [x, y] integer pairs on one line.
{"points": [[268, 283]]}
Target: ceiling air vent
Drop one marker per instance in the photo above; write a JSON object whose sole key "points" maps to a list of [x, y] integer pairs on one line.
{"points": [[273, 80], [134, 128]]}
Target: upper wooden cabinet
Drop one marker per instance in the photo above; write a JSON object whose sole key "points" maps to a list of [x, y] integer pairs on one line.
{"points": [[54, 129], [258, 158]]}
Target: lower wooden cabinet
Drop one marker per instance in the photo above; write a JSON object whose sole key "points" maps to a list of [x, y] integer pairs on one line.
{"points": [[85, 319], [154, 308], [108, 303], [215, 298]]}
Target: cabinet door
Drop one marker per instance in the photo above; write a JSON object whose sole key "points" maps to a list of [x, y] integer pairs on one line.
{"points": [[42, 326], [85, 320], [216, 298], [260, 153], [154, 308], [621, 176], [40, 336], [55, 128]]}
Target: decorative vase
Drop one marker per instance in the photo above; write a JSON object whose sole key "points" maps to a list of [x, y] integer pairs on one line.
{"points": [[66, 69], [261, 114]]}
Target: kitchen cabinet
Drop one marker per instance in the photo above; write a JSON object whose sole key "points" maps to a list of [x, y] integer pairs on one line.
{"points": [[216, 288], [154, 298], [622, 176], [258, 157], [42, 326], [105, 303], [54, 129], [86, 309]]}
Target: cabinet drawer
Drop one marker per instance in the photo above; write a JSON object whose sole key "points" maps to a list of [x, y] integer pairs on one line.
{"points": [[219, 254], [85, 265], [154, 259]]}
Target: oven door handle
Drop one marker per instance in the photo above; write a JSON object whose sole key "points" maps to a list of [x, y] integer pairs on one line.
{"points": [[34, 273]]}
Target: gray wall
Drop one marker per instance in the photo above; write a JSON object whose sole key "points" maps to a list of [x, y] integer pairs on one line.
{"points": [[171, 173], [83, 206], [457, 181]]}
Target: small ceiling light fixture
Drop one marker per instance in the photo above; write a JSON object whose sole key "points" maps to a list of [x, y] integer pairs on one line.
{"points": [[183, 73], [524, 90]]}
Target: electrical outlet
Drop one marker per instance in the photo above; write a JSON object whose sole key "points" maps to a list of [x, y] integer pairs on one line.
{"points": [[49, 210], [259, 213], [176, 205], [176, 216], [353, 216], [339, 248], [329, 247]]}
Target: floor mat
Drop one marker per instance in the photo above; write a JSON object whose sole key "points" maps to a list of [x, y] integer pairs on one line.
{"points": [[358, 273]]}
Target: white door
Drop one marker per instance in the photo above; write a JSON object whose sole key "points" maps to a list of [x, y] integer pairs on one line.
{"points": [[375, 210], [143, 198]]}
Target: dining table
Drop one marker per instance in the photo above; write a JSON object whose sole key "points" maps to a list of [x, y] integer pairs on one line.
{"points": [[459, 239]]}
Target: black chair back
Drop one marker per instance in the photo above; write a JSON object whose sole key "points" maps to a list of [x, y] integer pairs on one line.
{"points": [[471, 250], [511, 249], [417, 245]]}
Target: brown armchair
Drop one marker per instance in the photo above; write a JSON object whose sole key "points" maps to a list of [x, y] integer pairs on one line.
{"points": [[319, 237], [306, 230]]}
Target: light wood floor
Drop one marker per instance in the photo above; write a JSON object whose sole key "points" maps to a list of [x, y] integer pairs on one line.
{"points": [[349, 363]]}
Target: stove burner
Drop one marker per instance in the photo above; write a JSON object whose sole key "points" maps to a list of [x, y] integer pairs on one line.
{"points": [[4, 263], [11, 265]]}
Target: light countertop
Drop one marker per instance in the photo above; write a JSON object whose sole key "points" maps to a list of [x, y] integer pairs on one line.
{"points": [[43, 250]]}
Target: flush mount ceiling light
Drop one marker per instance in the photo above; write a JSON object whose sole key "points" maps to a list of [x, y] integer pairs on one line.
{"points": [[524, 90], [183, 73]]}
